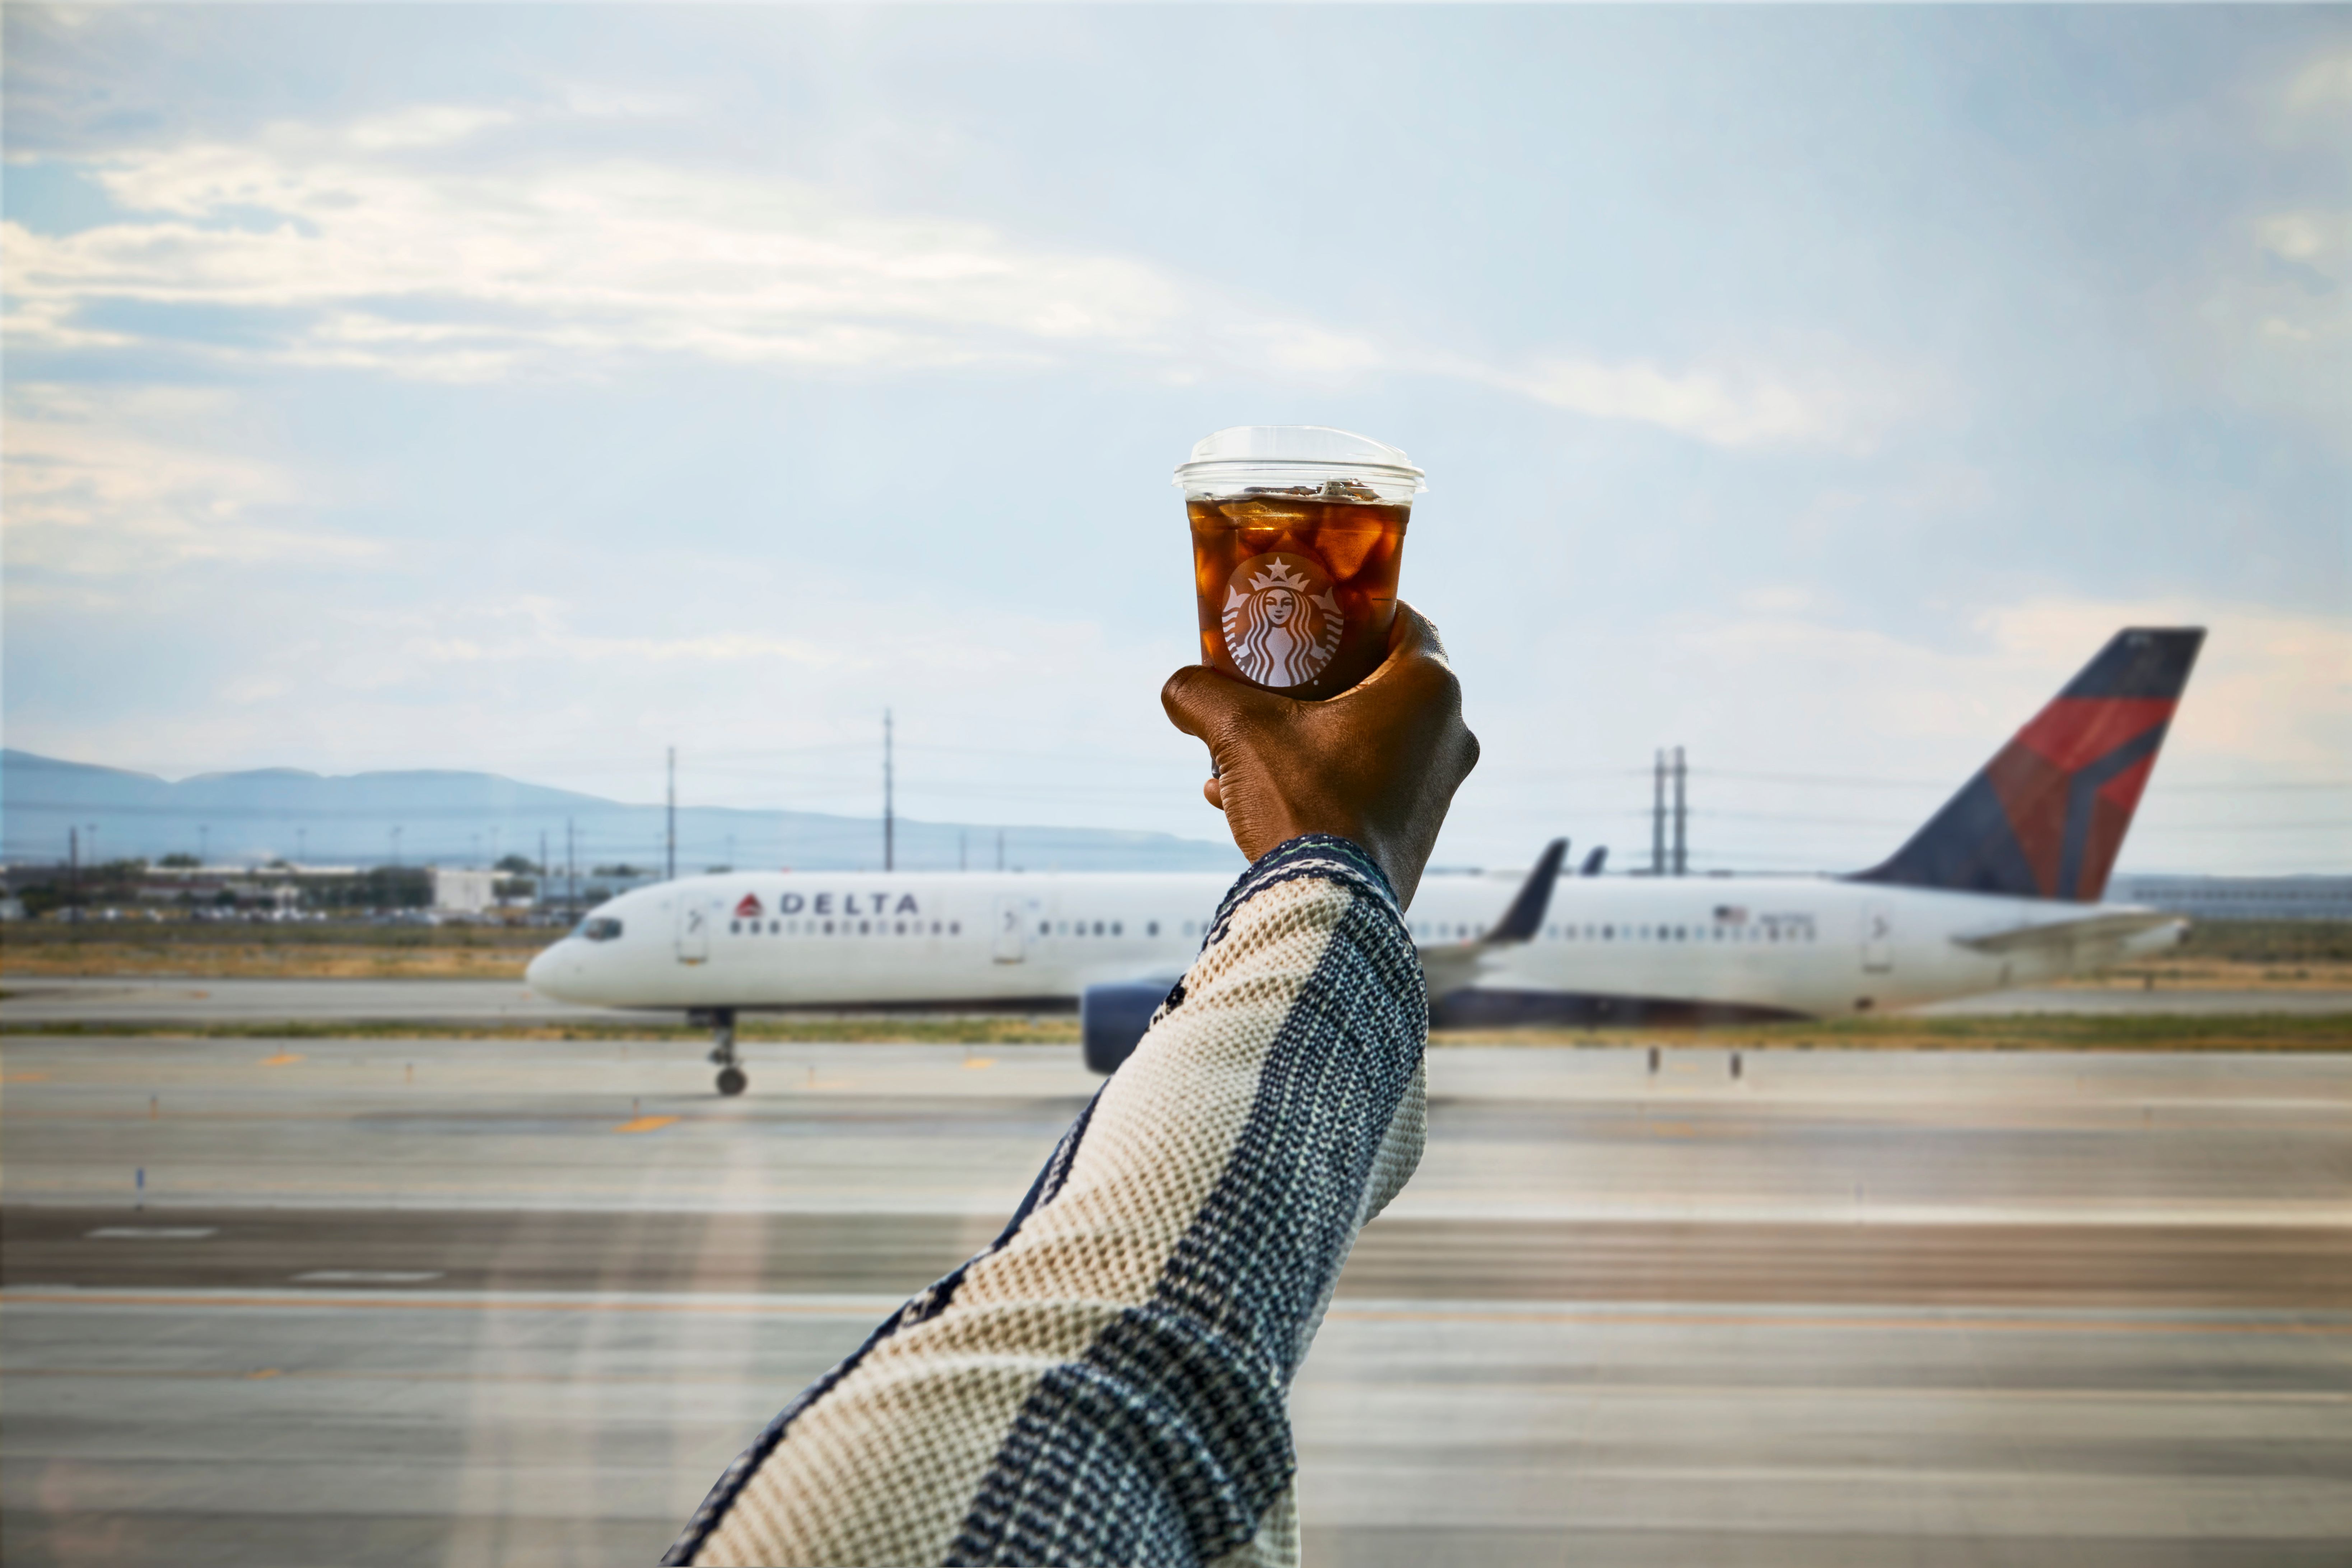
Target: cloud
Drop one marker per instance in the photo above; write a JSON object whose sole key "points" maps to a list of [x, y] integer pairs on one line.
{"points": [[2277, 317], [428, 125], [115, 483], [1725, 409], [408, 246], [2322, 87], [471, 272]]}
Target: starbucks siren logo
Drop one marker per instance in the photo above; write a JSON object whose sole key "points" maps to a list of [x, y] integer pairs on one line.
{"points": [[1282, 624]]}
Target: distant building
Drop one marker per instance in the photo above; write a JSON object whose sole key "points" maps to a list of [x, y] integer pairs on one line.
{"points": [[458, 892], [2240, 898]]}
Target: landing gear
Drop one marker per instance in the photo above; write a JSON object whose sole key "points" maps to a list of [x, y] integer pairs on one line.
{"points": [[720, 1021]]}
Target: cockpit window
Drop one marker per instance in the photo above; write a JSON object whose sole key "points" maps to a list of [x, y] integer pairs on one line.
{"points": [[602, 927]]}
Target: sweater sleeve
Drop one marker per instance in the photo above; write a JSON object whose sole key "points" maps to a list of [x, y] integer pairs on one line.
{"points": [[1109, 1381]]}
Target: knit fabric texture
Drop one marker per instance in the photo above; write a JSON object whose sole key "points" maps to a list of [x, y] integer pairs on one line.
{"points": [[1109, 1381]]}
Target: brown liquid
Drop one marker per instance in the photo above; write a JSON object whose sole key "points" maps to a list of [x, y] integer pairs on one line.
{"points": [[1273, 624]]}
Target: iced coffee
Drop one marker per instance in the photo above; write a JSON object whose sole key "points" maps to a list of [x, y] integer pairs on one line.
{"points": [[1297, 535]]}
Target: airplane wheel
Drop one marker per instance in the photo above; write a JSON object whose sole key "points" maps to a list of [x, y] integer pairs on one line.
{"points": [[731, 1081]]}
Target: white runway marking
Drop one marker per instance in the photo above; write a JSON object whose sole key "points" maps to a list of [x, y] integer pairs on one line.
{"points": [[367, 1277]]}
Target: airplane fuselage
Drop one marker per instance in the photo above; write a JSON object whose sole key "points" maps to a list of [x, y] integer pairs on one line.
{"points": [[1625, 946]]}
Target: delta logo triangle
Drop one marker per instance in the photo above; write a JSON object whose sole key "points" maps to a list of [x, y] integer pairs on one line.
{"points": [[748, 909]]}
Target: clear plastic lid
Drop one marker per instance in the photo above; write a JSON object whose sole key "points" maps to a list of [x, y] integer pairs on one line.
{"points": [[1292, 458]]}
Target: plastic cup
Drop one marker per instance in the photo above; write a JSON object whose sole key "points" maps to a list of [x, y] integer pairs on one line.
{"points": [[1297, 535]]}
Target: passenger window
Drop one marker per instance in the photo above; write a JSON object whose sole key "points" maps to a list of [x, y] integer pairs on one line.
{"points": [[1151, 928]]}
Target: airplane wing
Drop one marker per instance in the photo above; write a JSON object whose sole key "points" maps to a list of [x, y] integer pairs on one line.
{"points": [[2110, 925], [1449, 966]]}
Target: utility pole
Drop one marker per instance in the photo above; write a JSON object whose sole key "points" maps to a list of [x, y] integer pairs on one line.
{"points": [[1682, 862], [96, 861], [538, 884], [999, 850], [570, 871], [963, 851], [73, 867], [1658, 813], [669, 860], [889, 824]]}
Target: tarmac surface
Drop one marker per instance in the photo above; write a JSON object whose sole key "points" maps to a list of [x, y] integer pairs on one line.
{"points": [[43, 999], [518, 1302]]}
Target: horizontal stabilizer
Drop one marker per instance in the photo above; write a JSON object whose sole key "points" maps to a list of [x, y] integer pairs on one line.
{"points": [[2113, 925]]}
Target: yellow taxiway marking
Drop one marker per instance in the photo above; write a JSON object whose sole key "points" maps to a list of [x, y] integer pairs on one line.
{"points": [[25, 1078], [646, 1124], [973, 1063], [264, 1372], [283, 1058]]}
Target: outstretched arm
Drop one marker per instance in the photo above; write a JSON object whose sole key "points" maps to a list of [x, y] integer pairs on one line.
{"points": [[1109, 1381]]}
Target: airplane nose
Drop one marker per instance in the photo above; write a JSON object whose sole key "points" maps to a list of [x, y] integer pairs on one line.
{"points": [[539, 973]]}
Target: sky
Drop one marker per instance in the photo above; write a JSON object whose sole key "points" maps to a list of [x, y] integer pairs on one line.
{"points": [[535, 389]]}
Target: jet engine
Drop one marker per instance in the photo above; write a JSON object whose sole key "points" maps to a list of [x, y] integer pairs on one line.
{"points": [[1113, 1018]]}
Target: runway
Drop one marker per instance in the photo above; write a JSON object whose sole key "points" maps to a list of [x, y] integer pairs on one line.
{"points": [[1833, 1262], [147, 1001], [44, 999], [445, 1301]]}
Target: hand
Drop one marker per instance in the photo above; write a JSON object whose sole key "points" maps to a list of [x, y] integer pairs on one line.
{"points": [[1378, 764]]}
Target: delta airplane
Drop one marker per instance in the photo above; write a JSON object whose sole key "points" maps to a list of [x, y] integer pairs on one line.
{"points": [[2000, 889]]}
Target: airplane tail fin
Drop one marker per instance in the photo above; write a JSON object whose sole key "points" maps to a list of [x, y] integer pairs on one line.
{"points": [[2045, 818]]}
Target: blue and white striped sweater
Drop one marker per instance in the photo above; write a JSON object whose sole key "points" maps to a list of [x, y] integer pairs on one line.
{"points": [[1109, 1381]]}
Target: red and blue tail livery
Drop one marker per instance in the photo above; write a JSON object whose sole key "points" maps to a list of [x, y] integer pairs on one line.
{"points": [[2045, 818]]}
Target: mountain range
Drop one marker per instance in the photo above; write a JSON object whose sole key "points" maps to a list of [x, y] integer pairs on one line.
{"points": [[472, 818]]}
